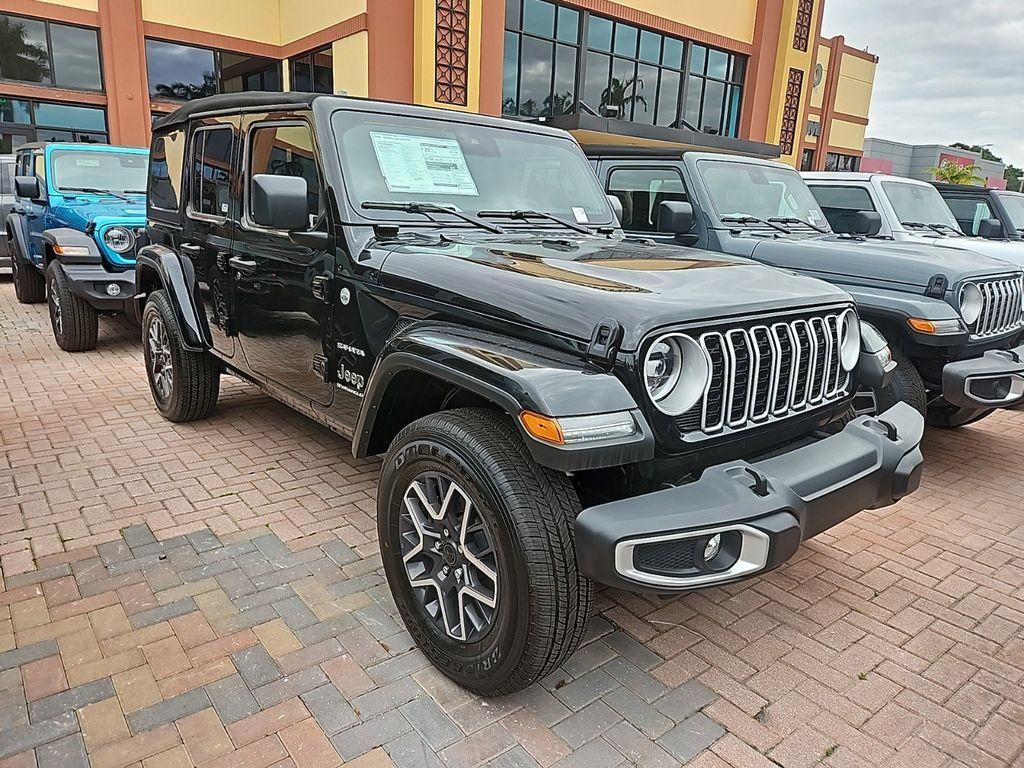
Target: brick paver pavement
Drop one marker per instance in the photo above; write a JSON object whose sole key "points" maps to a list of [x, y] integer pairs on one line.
{"points": [[210, 594]]}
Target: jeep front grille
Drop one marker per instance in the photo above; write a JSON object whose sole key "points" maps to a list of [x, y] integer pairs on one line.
{"points": [[769, 372], [1001, 308]]}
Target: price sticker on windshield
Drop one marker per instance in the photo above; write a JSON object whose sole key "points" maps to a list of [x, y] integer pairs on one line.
{"points": [[423, 164], [580, 214]]}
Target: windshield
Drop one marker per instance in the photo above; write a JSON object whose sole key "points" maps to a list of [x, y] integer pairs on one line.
{"points": [[1014, 205], [472, 168], [119, 172], [761, 191], [918, 204]]}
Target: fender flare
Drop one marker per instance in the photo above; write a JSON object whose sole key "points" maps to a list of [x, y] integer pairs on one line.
{"points": [[896, 307], [158, 265], [65, 236], [17, 228], [515, 376]]}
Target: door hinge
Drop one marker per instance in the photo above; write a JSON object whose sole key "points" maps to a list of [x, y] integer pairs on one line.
{"points": [[605, 342], [322, 288], [321, 368]]}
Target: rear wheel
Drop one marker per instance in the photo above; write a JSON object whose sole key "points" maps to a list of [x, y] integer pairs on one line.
{"points": [[477, 545], [185, 384], [29, 285], [74, 321]]}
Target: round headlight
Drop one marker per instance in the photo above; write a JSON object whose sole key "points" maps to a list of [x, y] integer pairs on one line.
{"points": [[119, 239], [676, 372], [970, 303], [849, 340]]}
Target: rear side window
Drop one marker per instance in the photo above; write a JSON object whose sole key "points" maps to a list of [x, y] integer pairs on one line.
{"points": [[642, 191], [970, 212], [211, 172], [286, 150], [6, 178], [841, 205], [166, 167]]}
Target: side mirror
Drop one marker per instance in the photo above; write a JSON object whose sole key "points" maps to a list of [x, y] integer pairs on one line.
{"points": [[867, 223], [617, 208], [991, 229], [280, 202], [27, 187], [675, 217]]}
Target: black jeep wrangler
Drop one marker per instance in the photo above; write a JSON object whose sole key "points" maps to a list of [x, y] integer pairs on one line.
{"points": [[556, 405], [953, 318]]}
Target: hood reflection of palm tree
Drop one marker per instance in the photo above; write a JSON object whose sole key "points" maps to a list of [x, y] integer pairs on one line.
{"points": [[615, 95]]}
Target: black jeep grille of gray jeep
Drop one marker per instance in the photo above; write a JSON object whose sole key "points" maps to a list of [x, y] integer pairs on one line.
{"points": [[769, 371]]}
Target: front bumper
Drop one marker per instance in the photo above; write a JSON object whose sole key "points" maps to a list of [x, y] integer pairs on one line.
{"points": [[762, 511], [90, 281], [994, 380]]}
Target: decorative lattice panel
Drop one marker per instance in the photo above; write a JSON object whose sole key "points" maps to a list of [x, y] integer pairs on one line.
{"points": [[452, 51], [802, 34], [791, 113]]}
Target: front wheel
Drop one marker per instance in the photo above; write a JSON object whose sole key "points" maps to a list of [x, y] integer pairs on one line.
{"points": [[477, 545], [74, 320], [185, 384], [906, 386]]}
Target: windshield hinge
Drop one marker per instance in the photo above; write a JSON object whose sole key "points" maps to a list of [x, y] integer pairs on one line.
{"points": [[936, 287], [605, 342]]}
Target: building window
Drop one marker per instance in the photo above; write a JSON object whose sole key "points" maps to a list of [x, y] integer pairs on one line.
{"points": [[835, 161], [807, 160], [183, 72], [557, 57], [23, 121], [313, 72], [791, 112], [47, 53], [814, 128]]}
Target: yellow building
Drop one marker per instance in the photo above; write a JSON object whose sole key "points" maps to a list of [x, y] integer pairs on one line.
{"points": [[734, 74], [840, 100]]}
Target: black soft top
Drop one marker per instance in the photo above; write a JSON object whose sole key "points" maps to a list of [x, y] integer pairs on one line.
{"points": [[234, 101]]}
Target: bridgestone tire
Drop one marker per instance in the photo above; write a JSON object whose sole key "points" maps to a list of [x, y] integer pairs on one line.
{"points": [[29, 285], [543, 601], [906, 386], [196, 375], [74, 321]]}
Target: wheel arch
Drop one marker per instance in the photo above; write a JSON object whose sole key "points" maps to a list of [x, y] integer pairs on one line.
{"points": [[446, 366], [160, 268]]}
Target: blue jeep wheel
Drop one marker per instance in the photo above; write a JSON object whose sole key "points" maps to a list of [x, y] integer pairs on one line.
{"points": [[74, 321]]}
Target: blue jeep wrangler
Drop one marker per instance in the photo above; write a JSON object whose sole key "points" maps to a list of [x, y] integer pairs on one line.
{"points": [[79, 213]]}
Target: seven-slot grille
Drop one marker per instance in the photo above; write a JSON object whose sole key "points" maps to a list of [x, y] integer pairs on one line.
{"points": [[1001, 307], [768, 372]]}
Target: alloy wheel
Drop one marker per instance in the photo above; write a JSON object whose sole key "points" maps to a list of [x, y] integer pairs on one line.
{"points": [[449, 557], [161, 368], [55, 313]]}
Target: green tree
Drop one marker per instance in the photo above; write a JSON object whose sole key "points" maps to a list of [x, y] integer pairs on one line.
{"points": [[954, 173]]}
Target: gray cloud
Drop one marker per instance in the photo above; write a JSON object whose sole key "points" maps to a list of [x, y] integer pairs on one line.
{"points": [[950, 70]]}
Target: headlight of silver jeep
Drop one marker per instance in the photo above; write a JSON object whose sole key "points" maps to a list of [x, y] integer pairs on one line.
{"points": [[676, 372], [849, 340], [971, 303], [119, 239]]}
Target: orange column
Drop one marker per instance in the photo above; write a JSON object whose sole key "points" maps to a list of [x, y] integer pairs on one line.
{"points": [[122, 41], [761, 73], [492, 55], [391, 49]]}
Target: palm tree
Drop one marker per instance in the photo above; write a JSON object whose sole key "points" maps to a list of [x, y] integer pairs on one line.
{"points": [[21, 60], [952, 172], [615, 95]]}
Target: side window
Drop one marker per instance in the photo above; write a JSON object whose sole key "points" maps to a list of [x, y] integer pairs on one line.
{"points": [[39, 168], [841, 204], [642, 191], [286, 150], [6, 178], [211, 172], [970, 212], [166, 168]]}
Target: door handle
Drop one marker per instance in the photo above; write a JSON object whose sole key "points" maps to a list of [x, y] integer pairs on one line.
{"points": [[242, 266], [191, 249]]}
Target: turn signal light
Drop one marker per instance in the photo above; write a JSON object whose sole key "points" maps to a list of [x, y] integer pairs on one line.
{"points": [[542, 427], [939, 327], [71, 250], [924, 326]]}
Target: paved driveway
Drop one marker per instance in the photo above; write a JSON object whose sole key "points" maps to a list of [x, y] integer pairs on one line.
{"points": [[210, 594]]}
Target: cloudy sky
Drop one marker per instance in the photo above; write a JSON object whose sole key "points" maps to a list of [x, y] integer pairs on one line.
{"points": [[950, 70]]}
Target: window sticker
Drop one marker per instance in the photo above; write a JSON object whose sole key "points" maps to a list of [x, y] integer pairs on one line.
{"points": [[423, 164], [581, 215], [87, 162]]}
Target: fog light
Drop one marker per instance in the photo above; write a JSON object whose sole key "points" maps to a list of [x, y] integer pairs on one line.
{"points": [[113, 289], [712, 548]]}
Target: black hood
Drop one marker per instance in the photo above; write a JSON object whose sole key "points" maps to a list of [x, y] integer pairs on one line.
{"points": [[850, 260], [568, 284]]}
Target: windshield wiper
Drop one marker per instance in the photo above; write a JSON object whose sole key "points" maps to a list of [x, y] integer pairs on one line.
{"points": [[527, 215], [426, 209], [944, 227], [754, 220], [914, 225], [794, 220], [94, 191]]}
